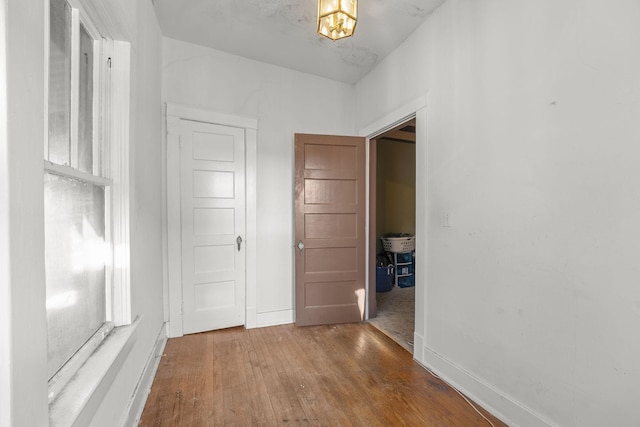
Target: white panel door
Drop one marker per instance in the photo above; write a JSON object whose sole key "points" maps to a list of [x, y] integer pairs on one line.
{"points": [[213, 226]]}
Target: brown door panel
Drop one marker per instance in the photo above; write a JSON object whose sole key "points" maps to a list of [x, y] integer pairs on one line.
{"points": [[330, 223]]}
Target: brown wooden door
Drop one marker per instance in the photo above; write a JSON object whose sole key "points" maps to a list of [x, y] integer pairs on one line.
{"points": [[330, 229]]}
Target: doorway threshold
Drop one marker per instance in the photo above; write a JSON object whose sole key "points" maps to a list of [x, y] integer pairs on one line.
{"points": [[395, 316]]}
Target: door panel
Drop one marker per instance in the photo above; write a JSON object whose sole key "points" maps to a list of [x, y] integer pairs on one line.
{"points": [[330, 157], [318, 226], [212, 221], [212, 218], [330, 223], [330, 191]]}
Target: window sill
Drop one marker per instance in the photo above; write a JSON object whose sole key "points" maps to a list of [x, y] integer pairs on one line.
{"points": [[80, 398]]}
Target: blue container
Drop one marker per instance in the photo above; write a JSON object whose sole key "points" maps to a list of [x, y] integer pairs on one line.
{"points": [[404, 270], [384, 278], [404, 257], [407, 281]]}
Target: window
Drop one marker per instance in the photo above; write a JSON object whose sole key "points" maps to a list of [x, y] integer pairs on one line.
{"points": [[85, 191]]}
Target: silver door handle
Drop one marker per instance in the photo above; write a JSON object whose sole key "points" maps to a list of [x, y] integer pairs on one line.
{"points": [[300, 246], [239, 242]]}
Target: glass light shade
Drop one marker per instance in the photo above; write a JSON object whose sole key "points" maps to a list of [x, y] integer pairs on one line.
{"points": [[337, 18]]}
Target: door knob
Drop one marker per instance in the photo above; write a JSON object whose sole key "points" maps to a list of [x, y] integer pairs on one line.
{"points": [[300, 246], [239, 242]]}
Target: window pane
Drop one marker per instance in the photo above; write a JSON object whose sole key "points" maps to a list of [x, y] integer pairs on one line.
{"points": [[85, 115], [59, 82], [75, 259]]}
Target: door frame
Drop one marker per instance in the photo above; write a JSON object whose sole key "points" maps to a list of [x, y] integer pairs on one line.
{"points": [[415, 109], [171, 241]]}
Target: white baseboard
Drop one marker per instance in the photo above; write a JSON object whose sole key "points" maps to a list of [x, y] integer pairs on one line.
{"points": [[251, 318], [273, 318], [418, 347], [141, 392], [503, 407]]}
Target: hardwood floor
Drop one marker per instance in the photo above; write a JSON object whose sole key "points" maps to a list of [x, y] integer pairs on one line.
{"points": [[338, 375]]}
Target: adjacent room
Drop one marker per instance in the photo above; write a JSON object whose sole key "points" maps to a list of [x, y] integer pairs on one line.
{"points": [[193, 194], [393, 176]]}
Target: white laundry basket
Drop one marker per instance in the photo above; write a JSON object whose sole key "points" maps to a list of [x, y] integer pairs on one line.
{"points": [[399, 244]]}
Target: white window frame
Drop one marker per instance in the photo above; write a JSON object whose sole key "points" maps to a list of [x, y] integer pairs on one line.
{"points": [[97, 361]]}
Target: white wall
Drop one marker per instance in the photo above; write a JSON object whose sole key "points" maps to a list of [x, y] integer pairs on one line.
{"points": [[532, 297], [5, 277], [284, 102], [23, 389], [24, 333]]}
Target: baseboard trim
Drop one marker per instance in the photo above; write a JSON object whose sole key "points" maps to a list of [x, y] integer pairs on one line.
{"points": [[505, 408], [418, 347], [273, 318], [143, 387], [251, 318]]}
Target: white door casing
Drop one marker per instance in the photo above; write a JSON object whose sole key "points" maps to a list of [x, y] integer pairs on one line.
{"points": [[212, 226], [209, 284], [416, 108]]}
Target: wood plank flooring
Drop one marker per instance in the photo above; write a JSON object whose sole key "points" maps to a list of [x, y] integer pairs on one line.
{"points": [[338, 375]]}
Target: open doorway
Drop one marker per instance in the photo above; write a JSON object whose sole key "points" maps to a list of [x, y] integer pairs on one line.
{"points": [[392, 216]]}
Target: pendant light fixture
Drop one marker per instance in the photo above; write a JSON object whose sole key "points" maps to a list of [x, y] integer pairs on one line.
{"points": [[337, 18]]}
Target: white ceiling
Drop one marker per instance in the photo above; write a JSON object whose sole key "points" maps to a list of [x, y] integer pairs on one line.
{"points": [[283, 32]]}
